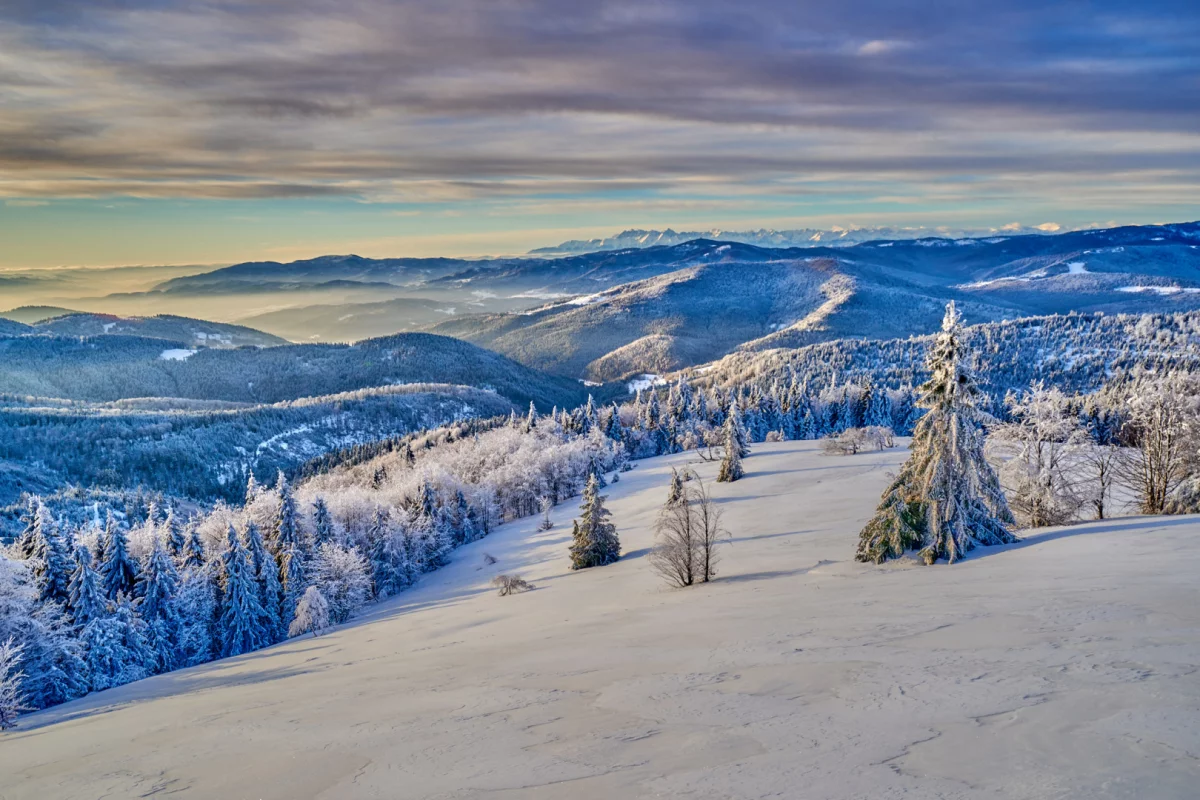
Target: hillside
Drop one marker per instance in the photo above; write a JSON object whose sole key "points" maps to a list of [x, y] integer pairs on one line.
{"points": [[1057, 667], [31, 315], [1075, 352], [115, 367], [190, 332], [204, 450]]}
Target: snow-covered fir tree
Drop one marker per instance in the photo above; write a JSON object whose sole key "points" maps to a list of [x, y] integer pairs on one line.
{"points": [[115, 646], [159, 608], [87, 600], [51, 558], [118, 569], [173, 536], [594, 539], [241, 628], [266, 577], [285, 531], [322, 522], [946, 499], [731, 463], [675, 493]]}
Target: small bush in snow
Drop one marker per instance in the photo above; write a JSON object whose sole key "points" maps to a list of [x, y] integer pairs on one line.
{"points": [[511, 584]]}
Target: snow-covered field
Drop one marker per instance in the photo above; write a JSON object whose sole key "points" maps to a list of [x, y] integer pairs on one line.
{"points": [[1061, 667]]}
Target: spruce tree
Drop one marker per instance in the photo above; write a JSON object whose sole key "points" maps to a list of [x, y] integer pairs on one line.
{"points": [[51, 559], [389, 561], [241, 612], [118, 570], [115, 646], [731, 465], [159, 609], [322, 522], [193, 551], [173, 535], [86, 601], [594, 538], [285, 531], [675, 490], [946, 499], [266, 576]]}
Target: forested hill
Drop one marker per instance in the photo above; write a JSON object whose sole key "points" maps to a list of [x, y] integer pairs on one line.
{"points": [[192, 332], [112, 367], [1074, 352]]}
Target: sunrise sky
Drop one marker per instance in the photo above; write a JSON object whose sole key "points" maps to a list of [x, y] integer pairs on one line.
{"points": [[192, 131]]}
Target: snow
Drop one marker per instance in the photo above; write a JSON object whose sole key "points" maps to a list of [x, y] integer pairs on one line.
{"points": [[644, 381], [1058, 667], [1159, 290], [177, 354], [1077, 268], [108, 326], [588, 383], [993, 281]]}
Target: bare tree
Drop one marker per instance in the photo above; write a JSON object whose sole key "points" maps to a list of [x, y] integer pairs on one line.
{"points": [[846, 443], [688, 532], [1161, 431], [1100, 461], [511, 584], [1046, 440], [12, 699]]}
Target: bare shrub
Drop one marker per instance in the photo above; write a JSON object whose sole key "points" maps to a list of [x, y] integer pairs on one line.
{"points": [[774, 436], [688, 532], [511, 584], [846, 443], [880, 437]]}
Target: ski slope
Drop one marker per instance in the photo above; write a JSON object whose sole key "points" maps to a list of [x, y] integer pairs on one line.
{"points": [[1060, 667]]}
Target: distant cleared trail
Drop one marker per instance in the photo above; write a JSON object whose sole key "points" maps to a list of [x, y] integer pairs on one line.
{"points": [[1060, 667]]}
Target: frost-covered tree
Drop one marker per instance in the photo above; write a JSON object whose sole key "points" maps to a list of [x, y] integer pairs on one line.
{"points": [[118, 569], [266, 577], [1163, 430], [241, 628], [322, 521], [193, 550], [173, 535], [341, 575], [51, 558], [115, 646], [547, 507], [390, 567], [594, 539], [86, 599], [1042, 445], [312, 614], [159, 608], [285, 530], [731, 463], [197, 603], [687, 533], [52, 663], [946, 499], [675, 489], [12, 696]]}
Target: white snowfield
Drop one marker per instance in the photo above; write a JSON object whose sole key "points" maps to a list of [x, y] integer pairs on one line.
{"points": [[1061, 667]]}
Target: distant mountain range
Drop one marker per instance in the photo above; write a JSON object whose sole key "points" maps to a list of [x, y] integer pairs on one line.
{"points": [[184, 330], [799, 237]]}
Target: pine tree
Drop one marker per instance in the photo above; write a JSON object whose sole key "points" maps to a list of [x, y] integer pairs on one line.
{"points": [[26, 543], [252, 489], [389, 561], [173, 535], [266, 576], [197, 601], [731, 465], [51, 559], [118, 570], [159, 609], [594, 538], [193, 551], [116, 648], [241, 612], [285, 531], [86, 601], [322, 522], [675, 490], [946, 500], [531, 418]]}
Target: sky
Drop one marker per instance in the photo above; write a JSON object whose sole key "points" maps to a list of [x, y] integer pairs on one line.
{"points": [[202, 131]]}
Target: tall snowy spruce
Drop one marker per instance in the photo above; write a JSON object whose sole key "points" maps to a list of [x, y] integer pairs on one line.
{"points": [[86, 601], [595, 541], [946, 499], [118, 569], [736, 449], [159, 608], [241, 627]]}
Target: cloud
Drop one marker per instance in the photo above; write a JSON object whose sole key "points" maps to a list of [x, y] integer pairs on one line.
{"points": [[473, 99]]}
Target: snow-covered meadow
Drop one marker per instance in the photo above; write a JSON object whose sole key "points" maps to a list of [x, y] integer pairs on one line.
{"points": [[1063, 666]]}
